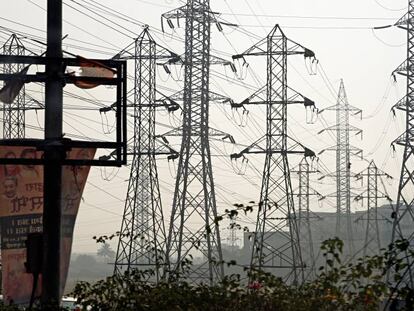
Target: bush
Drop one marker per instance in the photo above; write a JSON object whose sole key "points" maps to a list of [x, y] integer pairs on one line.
{"points": [[354, 286]]}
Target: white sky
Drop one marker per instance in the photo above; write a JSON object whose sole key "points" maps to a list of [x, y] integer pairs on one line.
{"points": [[347, 48]]}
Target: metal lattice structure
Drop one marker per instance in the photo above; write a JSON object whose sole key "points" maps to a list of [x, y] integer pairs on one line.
{"points": [[142, 235], [305, 192], [233, 239], [276, 244], [404, 210], [14, 113], [372, 241], [193, 231], [343, 174]]}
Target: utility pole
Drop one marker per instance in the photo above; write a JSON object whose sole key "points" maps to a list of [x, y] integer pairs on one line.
{"points": [[194, 196], [54, 154], [142, 235], [54, 146], [14, 113], [276, 245], [343, 151], [372, 241], [404, 209]]}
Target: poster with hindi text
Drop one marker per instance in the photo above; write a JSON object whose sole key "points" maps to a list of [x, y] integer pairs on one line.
{"points": [[21, 208]]}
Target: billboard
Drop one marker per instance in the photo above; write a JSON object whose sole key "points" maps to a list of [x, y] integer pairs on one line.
{"points": [[21, 209]]}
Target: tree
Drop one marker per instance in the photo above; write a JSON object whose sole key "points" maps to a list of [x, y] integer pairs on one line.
{"points": [[106, 252]]}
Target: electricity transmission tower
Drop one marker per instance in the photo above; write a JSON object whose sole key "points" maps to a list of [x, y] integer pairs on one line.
{"points": [[372, 241], [276, 244], [193, 229], [233, 239], [142, 235], [404, 210], [14, 113], [343, 150], [305, 192]]}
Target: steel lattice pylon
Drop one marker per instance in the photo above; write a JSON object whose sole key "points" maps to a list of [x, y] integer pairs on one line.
{"points": [[304, 218], [343, 173], [372, 241], [404, 210], [193, 230], [233, 239], [142, 234], [276, 239], [14, 114]]}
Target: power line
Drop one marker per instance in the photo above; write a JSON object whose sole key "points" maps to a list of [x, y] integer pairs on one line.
{"points": [[311, 17], [81, 29], [313, 27], [387, 8], [97, 20]]}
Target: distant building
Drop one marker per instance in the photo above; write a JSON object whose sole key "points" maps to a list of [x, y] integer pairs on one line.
{"points": [[323, 226]]}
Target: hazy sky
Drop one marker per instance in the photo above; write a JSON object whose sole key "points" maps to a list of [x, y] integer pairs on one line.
{"points": [[339, 32]]}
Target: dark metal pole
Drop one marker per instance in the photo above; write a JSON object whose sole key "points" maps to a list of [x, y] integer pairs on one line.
{"points": [[54, 154]]}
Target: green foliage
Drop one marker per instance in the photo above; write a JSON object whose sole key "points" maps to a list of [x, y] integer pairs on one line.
{"points": [[339, 286]]}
